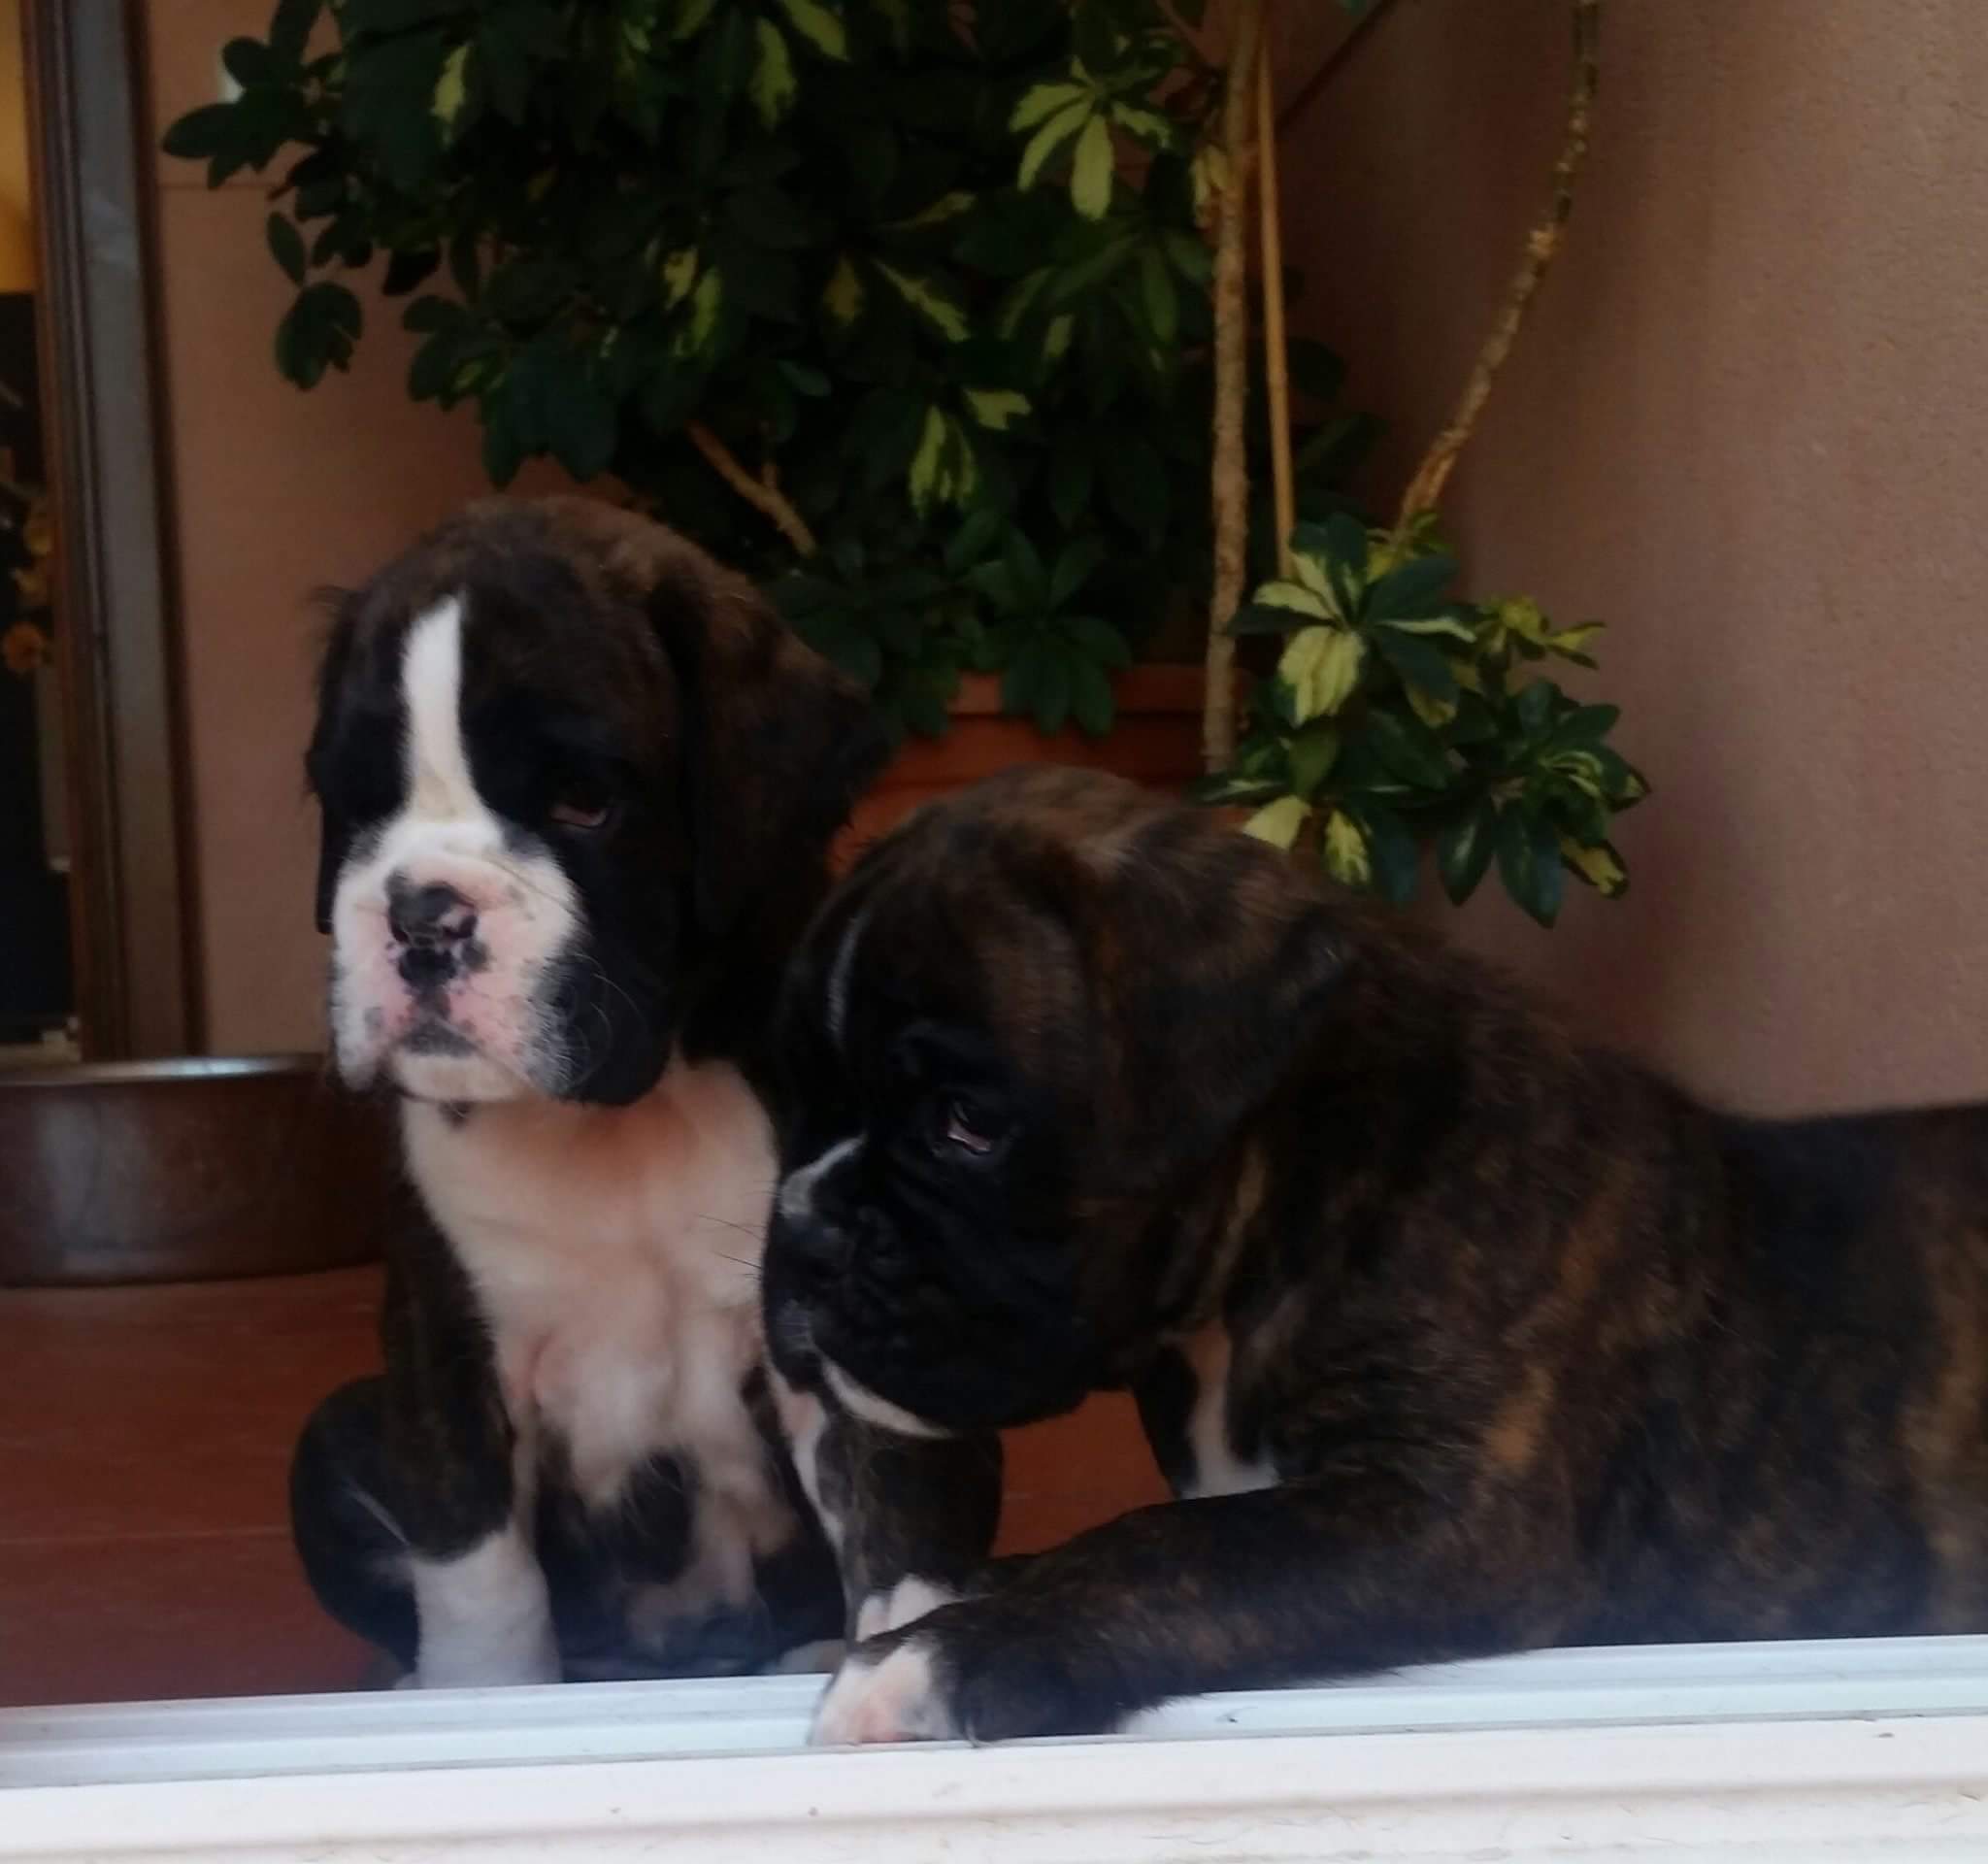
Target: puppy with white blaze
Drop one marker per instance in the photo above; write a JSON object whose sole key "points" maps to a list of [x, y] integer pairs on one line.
{"points": [[578, 784]]}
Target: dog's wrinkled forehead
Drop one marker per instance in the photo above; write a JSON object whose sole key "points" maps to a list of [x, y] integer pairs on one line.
{"points": [[548, 635]]}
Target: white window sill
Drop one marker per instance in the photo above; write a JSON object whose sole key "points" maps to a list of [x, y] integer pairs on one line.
{"points": [[1797, 1751]]}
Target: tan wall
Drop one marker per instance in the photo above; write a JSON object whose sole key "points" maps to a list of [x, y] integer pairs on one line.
{"points": [[277, 493], [1749, 427]]}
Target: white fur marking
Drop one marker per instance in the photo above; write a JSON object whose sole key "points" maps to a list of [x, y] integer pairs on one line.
{"points": [[529, 914], [1217, 1469], [895, 1700], [484, 1616], [874, 1408], [910, 1599], [804, 1418], [797, 1194], [820, 1659]]}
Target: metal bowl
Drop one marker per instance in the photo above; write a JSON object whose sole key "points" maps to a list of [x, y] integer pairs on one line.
{"points": [[189, 1169]]}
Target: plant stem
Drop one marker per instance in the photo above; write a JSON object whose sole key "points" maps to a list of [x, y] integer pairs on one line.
{"points": [[1276, 368], [1543, 243], [1230, 477], [763, 494]]}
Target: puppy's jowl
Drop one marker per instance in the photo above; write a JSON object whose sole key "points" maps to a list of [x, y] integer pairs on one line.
{"points": [[576, 786], [1454, 1335]]}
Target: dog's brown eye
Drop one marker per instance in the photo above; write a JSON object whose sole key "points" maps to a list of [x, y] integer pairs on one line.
{"points": [[580, 813], [961, 1130]]}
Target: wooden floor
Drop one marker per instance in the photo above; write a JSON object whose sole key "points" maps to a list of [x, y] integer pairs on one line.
{"points": [[145, 1438]]}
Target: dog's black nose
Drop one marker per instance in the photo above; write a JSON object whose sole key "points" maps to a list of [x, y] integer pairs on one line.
{"points": [[435, 917]]}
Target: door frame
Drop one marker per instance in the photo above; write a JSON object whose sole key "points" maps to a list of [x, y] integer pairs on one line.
{"points": [[132, 920]]}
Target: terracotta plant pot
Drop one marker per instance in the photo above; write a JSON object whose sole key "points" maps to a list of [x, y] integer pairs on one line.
{"points": [[1156, 741], [185, 1170]]}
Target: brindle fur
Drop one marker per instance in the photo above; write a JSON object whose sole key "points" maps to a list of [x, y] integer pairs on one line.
{"points": [[1540, 1349]]}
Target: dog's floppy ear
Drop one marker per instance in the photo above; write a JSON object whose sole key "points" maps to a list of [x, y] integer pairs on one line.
{"points": [[1211, 964], [779, 741]]}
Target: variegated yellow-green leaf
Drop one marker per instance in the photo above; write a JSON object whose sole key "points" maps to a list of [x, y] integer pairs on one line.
{"points": [[1209, 172], [942, 469], [1600, 866], [1056, 339], [774, 86], [1322, 667], [1149, 125], [1465, 673], [1090, 175], [1039, 102], [1522, 616], [1346, 856], [1572, 641], [1297, 598], [1052, 137], [1581, 768], [694, 338], [997, 409], [1433, 711], [1310, 572], [843, 296], [1431, 624], [690, 21], [945, 315], [948, 207], [1278, 822], [680, 274], [819, 25], [450, 88]]}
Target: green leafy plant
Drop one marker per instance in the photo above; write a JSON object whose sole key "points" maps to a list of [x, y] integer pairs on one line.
{"points": [[1400, 717], [891, 303]]}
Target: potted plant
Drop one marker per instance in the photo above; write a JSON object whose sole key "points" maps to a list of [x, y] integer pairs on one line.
{"points": [[935, 318], [904, 309]]}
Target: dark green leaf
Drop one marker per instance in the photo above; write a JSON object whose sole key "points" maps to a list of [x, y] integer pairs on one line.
{"points": [[1091, 701], [1534, 707], [1529, 862], [202, 133], [1098, 640], [969, 544], [1074, 566], [1463, 852], [771, 218], [1406, 748], [1585, 725], [407, 270], [289, 30], [1025, 566], [1392, 848], [1312, 752], [247, 61], [1413, 592], [1418, 663], [286, 245]]}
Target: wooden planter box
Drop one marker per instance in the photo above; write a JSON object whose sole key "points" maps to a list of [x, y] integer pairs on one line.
{"points": [[1156, 741]]}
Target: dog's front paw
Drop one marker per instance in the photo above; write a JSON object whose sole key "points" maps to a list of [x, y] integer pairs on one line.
{"points": [[891, 1689]]}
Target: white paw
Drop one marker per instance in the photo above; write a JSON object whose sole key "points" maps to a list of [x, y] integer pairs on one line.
{"points": [[898, 1699], [814, 1659], [910, 1598]]}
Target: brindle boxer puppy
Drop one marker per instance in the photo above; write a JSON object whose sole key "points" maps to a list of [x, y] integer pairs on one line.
{"points": [[1453, 1333]]}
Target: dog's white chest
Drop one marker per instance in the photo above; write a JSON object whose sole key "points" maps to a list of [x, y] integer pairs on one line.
{"points": [[615, 1254]]}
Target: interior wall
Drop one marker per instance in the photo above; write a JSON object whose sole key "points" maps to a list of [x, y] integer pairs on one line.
{"points": [[277, 494], [1748, 427]]}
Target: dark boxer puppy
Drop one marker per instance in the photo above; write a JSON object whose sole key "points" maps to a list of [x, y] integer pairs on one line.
{"points": [[1454, 1335], [578, 787]]}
